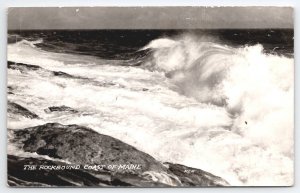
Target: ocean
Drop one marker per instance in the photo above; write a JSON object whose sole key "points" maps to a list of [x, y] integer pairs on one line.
{"points": [[219, 100]]}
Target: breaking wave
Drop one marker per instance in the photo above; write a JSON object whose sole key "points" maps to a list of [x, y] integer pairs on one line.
{"points": [[30, 43], [255, 88]]}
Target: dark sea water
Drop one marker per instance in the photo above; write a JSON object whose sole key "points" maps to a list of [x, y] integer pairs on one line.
{"points": [[123, 44], [219, 100]]}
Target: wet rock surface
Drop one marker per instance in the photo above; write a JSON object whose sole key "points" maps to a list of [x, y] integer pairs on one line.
{"points": [[82, 145], [14, 109], [74, 144], [195, 177], [62, 108], [22, 67], [26, 68], [19, 177]]}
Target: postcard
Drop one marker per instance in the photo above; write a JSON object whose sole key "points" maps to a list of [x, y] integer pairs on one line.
{"points": [[150, 96]]}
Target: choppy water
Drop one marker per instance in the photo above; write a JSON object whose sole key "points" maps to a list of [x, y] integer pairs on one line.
{"points": [[221, 100]]}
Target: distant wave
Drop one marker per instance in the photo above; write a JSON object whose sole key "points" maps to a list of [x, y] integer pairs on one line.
{"points": [[31, 43]]}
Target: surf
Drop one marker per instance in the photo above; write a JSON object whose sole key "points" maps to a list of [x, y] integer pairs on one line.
{"points": [[197, 101], [252, 86]]}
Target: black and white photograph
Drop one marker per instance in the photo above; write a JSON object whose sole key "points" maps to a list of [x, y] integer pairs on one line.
{"points": [[182, 96]]}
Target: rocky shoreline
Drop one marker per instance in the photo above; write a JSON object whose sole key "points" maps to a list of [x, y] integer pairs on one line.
{"points": [[63, 146], [56, 155]]}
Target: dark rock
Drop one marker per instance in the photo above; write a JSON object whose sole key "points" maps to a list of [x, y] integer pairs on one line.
{"points": [[9, 90], [14, 109], [81, 145], [106, 84], [22, 67], [17, 176], [50, 152], [62, 108], [63, 74], [195, 177]]}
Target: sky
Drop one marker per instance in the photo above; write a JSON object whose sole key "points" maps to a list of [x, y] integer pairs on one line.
{"points": [[149, 17]]}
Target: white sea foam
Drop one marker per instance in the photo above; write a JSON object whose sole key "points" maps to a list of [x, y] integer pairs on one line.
{"points": [[191, 109], [30, 43]]}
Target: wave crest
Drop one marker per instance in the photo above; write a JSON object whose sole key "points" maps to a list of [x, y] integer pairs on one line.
{"points": [[255, 88], [30, 43]]}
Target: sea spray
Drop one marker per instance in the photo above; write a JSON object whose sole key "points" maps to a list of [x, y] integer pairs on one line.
{"points": [[255, 88]]}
